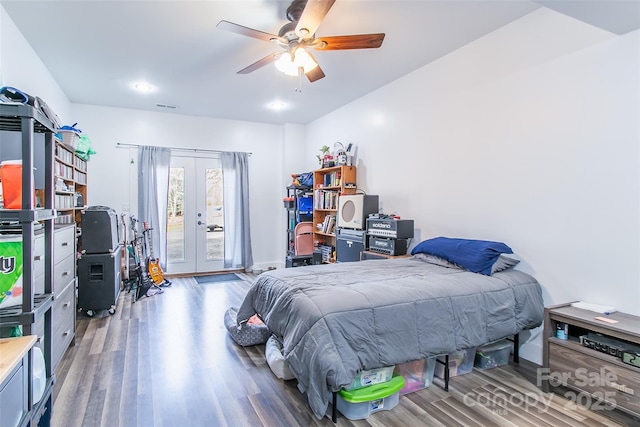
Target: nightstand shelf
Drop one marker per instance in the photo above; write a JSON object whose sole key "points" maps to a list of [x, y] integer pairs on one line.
{"points": [[601, 377]]}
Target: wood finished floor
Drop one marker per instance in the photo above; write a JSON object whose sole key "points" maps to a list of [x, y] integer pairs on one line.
{"points": [[167, 360]]}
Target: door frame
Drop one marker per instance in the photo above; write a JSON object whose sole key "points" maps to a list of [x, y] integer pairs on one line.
{"points": [[194, 217]]}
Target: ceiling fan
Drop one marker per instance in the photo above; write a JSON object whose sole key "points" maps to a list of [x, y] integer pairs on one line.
{"points": [[298, 38]]}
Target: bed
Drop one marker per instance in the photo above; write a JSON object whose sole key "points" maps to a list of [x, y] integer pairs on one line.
{"points": [[336, 320]]}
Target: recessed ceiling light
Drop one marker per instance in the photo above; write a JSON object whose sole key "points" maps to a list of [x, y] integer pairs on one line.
{"points": [[143, 87], [277, 106]]}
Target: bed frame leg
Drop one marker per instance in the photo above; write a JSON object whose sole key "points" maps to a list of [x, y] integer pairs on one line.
{"points": [[446, 373], [516, 359], [334, 415], [446, 370]]}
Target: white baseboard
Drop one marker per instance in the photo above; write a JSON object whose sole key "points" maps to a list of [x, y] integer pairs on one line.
{"points": [[259, 268]]}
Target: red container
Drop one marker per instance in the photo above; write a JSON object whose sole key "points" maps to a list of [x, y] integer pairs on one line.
{"points": [[11, 177]]}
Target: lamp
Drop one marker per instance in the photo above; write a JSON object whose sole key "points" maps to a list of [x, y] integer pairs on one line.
{"points": [[290, 62]]}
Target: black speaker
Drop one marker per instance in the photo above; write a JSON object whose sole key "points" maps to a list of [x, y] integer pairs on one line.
{"points": [[316, 258], [99, 230], [297, 261], [99, 280]]}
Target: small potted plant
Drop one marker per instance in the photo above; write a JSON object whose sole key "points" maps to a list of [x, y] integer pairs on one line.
{"points": [[322, 157]]}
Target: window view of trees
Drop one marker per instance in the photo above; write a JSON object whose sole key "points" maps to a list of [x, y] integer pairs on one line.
{"points": [[176, 192], [175, 219], [214, 214]]}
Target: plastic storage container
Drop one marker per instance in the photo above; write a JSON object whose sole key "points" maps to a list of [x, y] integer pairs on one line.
{"points": [[371, 377], [417, 374], [359, 404], [11, 177], [69, 138], [493, 355], [288, 202], [460, 363]]}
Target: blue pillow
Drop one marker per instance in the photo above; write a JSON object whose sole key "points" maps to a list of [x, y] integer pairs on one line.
{"points": [[474, 255]]}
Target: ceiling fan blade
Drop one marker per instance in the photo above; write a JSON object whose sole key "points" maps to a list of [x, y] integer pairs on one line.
{"points": [[316, 73], [312, 16], [246, 31], [261, 63], [361, 41]]}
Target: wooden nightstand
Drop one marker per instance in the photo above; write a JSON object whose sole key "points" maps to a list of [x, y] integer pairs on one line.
{"points": [[599, 377]]}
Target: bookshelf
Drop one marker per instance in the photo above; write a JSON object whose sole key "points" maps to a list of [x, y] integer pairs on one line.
{"points": [[70, 185], [328, 185]]}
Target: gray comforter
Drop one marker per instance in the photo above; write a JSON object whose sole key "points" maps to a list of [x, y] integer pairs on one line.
{"points": [[335, 320]]}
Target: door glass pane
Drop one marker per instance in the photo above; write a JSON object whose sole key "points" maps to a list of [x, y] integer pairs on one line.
{"points": [[175, 215], [215, 214]]}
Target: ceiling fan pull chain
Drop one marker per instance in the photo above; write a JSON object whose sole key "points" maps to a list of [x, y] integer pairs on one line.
{"points": [[300, 72]]}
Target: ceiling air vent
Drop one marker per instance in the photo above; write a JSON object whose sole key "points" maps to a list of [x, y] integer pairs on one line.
{"points": [[173, 107]]}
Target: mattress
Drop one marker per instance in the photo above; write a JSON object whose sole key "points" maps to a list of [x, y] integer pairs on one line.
{"points": [[336, 320]]}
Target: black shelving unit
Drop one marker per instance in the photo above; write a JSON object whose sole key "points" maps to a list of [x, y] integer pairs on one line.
{"points": [[28, 121], [299, 206]]}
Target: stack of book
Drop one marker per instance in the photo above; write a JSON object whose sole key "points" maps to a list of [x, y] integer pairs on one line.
{"points": [[327, 252], [329, 224], [323, 199], [332, 179]]}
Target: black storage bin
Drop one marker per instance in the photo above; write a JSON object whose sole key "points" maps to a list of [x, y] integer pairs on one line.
{"points": [[99, 281], [349, 244]]}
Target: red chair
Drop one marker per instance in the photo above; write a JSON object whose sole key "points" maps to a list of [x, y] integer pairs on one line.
{"points": [[303, 238]]}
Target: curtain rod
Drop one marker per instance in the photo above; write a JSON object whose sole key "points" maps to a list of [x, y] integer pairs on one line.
{"points": [[196, 150]]}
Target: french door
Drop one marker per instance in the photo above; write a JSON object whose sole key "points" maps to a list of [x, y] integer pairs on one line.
{"points": [[195, 216]]}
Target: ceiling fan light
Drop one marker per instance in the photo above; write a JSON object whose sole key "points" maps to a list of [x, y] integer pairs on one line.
{"points": [[304, 60], [287, 65], [293, 71]]}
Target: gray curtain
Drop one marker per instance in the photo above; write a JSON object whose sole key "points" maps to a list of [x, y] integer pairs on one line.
{"points": [[237, 236], [153, 190]]}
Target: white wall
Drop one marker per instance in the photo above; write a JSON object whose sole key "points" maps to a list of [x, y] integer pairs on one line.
{"points": [[294, 149], [529, 136], [21, 68], [113, 178]]}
